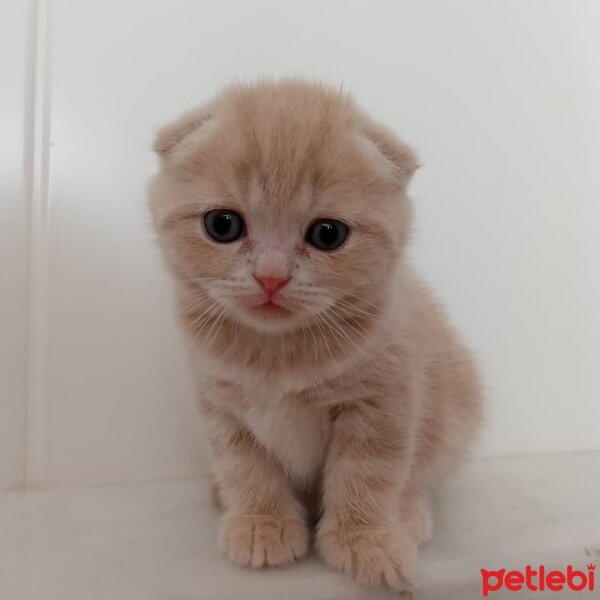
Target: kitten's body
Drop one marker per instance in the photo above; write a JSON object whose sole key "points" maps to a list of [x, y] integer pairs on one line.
{"points": [[367, 396]]}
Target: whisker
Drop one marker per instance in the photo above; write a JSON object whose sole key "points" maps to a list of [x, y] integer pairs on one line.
{"points": [[215, 322], [203, 313], [196, 332], [312, 333], [235, 329], [340, 329], [232, 285], [238, 296], [363, 333], [349, 294], [334, 332], [304, 338], [193, 307], [317, 322], [353, 307]]}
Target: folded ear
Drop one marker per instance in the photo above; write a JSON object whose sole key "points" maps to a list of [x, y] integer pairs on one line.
{"points": [[402, 157], [173, 134]]}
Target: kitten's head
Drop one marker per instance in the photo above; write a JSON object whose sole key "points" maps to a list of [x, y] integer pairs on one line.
{"points": [[279, 203]]}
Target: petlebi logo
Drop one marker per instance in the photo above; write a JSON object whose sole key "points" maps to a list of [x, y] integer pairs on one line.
{"points": [[538, 580]]}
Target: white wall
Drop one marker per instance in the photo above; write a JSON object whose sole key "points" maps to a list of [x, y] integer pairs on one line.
{"points": [[501, 98], [13, 242]]}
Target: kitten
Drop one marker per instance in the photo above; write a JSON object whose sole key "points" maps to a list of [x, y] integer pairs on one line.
{"points": [[330, 380]]}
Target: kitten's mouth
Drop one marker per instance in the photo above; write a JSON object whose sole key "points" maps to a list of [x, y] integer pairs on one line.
{"points": [[269, 307]]}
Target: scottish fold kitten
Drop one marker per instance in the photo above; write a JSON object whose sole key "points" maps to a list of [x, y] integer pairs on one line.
{"points": [[334, 390]]}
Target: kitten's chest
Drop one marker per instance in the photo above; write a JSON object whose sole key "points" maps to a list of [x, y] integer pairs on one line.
{"points": [[297, 433]]}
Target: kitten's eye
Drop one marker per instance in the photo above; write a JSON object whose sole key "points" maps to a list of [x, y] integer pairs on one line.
{"points": [[224, 226], [327, 234]]}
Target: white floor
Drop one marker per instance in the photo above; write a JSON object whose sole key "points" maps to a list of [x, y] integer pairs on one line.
{"points": [[156, 541]]}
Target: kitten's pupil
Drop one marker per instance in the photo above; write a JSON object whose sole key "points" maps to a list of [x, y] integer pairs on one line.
{"points": [[327, 234], [223, 225]]}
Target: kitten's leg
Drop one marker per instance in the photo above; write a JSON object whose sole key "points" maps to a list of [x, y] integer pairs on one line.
{"points": [[416, 513], [263, 522], [361, 531]]}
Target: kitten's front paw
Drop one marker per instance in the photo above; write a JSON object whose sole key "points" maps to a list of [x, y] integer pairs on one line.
{"points": [[417, 517], [374, 557], [263, 540]]}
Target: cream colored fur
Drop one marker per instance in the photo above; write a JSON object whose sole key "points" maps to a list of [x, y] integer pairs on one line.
{"points": [[349, 409]]}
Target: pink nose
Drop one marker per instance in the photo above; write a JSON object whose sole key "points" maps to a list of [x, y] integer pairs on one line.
{"points": [[271, 284]]}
